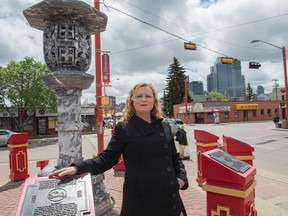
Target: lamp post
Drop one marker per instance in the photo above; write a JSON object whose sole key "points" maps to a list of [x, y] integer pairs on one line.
{"points": [[285, 71]]}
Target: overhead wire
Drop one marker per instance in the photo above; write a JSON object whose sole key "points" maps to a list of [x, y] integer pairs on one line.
{"points": [[160, 29], [183, 38]]}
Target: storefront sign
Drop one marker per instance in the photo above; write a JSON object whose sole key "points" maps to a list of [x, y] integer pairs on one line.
{"points": [[13, 111], [199, 107], [246, 106], [44, 113], [87, 111]]}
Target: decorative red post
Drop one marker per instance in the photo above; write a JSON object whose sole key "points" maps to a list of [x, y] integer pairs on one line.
{"points": [[120, 166], [230, 184], [18, 159], [99, 118], [204, 142], [238, 149], [186, 100]]}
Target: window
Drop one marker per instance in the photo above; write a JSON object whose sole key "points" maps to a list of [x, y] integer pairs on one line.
{"points": [[226, 115], [269, 112], [262, 112], [276, 111], [210, 115], [236, 114], [254, 112], [28, 125], [52, 122]]}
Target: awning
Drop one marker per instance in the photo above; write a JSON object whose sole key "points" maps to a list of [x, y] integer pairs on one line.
{"points": [[246, 106]]}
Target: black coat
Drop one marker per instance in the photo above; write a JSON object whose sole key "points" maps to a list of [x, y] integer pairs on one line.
{"points": [[152, 167], [181, 136]]}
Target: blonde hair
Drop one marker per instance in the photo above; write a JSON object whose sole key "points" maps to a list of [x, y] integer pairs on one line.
{"points": [[129, 109]]}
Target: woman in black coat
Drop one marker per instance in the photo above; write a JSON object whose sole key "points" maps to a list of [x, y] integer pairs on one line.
{"points": [[154, 172]]}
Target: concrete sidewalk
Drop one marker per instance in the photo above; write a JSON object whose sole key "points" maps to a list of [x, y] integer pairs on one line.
{"points": [[193, 198], [268, 193]]}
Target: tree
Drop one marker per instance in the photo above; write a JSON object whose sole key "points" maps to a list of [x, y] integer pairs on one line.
{"points": [[219, 96], [249, 93], [175, 87], [21, 86]]}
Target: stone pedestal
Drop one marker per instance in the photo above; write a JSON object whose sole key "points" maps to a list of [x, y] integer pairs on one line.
{"points": [[102, 200], [69, 126]]}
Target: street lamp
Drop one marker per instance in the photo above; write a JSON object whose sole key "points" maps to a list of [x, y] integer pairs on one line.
{"points": [[285, 71]]}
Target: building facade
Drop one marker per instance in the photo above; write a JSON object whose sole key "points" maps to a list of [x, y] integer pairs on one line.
{"points": [[226, 79], [196, 87], [229, 111], [44, 122], [260, 90]]}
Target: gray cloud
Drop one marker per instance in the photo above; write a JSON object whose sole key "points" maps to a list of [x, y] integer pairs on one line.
{"points": [[140, 52]]}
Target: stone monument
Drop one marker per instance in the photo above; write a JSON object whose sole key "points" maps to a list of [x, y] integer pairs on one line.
{"points": [[67, 26]]}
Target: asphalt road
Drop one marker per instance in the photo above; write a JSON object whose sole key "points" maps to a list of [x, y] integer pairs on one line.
{"points": [[271, 145]]}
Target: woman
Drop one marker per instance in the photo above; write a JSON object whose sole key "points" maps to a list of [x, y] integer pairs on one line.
{"points": [[154, 172]]}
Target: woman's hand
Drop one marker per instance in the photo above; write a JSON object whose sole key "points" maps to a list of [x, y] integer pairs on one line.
{"points": [[64, 172], [181, 182]]}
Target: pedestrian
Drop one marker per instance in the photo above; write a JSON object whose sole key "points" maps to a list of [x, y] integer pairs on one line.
{"points": [[181, 137], [154, 172], [276, 121]]}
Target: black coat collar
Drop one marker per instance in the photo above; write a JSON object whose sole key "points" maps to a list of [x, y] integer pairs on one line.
{"points": [[144, 127]]}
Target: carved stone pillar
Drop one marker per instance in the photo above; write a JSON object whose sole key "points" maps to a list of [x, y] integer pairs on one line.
{"points": [[67, 26]]}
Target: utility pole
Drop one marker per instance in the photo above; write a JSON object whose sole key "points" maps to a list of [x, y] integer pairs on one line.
{"points": [[186, 100], [276, 87], [99, 117]]}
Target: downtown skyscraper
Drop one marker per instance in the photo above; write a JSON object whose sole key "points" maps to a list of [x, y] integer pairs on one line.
{"points": [[226, 79]]}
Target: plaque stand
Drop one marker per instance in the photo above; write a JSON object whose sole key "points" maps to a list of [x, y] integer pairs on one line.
{"points": [[66, 196]]}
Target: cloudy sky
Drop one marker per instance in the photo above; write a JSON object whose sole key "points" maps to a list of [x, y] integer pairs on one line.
{"points": [[143, 52]]}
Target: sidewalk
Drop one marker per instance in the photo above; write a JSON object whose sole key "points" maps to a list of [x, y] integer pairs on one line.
{"points": [[268, 193], [193, 198]]}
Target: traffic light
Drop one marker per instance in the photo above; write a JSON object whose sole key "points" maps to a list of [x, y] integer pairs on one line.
{"points": [[190, 46], [227, 60], [254, 65]]}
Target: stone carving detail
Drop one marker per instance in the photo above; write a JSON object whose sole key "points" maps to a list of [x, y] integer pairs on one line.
{"points": [[67, 46]]}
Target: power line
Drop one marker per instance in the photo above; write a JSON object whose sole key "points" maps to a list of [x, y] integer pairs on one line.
{"points": [[208, 32], [160, 29], [179, 37]]}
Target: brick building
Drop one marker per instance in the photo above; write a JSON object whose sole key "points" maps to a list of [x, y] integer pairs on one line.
{"points": [[229, 111]]}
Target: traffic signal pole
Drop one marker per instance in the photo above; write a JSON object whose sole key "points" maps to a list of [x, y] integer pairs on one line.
{"points": [[99, 116], [285, 72], [285, 80]]}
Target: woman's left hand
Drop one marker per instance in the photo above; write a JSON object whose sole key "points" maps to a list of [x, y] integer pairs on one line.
{"points": [[181, 183]]}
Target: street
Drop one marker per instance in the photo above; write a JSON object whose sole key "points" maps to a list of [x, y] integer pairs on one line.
{"points": [[271, 145]]}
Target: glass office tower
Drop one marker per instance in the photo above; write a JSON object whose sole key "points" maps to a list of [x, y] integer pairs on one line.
{"points": [[226, 79]]}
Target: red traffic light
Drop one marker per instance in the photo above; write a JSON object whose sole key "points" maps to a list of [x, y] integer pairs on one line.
{"points": [[254, 65]]}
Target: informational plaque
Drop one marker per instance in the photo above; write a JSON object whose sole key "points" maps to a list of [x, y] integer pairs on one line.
{"points": [[65, 196], [230, 161]]}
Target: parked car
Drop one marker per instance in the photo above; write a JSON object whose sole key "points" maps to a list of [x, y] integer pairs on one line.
{"points": [[178, 121], [4, 136], [174, 127]]}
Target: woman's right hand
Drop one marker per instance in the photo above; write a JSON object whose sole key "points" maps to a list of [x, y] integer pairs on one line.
{"points": [[67, 171]]}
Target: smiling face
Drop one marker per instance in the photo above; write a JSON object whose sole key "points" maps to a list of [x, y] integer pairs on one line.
{"points": [[143, 100]]}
